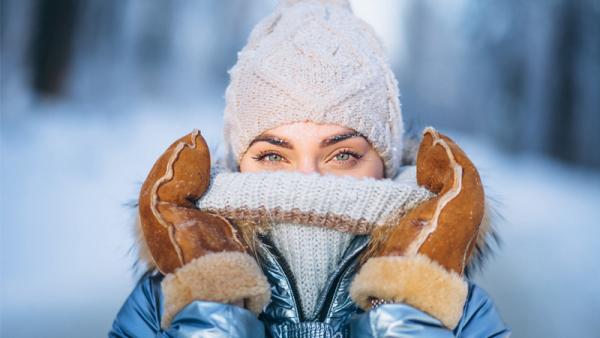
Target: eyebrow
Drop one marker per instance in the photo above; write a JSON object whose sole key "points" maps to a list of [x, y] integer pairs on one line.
{"points": [[281, 142], [339, 138], [272, 140]]}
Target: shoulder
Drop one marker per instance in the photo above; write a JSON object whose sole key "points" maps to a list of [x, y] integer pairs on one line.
{"points": [[142, 306], [147, 291], [150, 282], [480, 314], [478, 300]]}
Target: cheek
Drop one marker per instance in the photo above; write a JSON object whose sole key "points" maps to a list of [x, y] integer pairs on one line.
{"points": [[371, 166], [247, 164]]}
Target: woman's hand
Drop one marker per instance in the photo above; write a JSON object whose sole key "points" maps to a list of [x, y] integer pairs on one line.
{"points": [[174, 229], [421, 260], [200, 253]]}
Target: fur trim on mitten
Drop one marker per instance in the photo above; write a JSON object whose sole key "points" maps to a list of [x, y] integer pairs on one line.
{"points": [[225, 277], [415, 280]]}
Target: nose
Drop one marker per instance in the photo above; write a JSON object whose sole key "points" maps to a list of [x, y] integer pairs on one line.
{"points": [[307, 166]]}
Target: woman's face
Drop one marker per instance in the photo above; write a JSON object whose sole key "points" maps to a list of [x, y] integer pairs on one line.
{"points": [[309, 147]]}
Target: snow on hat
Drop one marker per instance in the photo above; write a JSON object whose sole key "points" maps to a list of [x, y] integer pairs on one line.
{"points": [[314, 61]]}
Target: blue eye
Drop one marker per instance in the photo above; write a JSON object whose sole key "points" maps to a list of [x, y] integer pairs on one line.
{"points": [[273, 157], [346, 155], [342, 157], [268, 156]]}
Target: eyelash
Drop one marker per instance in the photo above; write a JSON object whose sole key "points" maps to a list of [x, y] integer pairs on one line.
{"points": [[348, 151], [261, 155]]}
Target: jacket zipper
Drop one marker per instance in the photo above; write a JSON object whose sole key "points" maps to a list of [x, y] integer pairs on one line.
{"points": [[272, 251], [340, 275]]}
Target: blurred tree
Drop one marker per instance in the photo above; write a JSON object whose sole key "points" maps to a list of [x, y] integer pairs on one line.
{"points": [[540, 75], [52, 45], [526, 74]]}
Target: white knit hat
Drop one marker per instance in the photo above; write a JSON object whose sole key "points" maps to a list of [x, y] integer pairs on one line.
{"points": [[314, 61]]}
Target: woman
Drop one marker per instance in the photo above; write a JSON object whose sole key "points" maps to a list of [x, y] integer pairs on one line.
{"points": [[314, 224]]}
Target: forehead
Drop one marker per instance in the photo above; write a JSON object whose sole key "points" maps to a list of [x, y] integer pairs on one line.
{"points": [[303, 130]]}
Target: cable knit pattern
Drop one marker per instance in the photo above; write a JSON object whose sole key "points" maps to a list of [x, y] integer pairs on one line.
{"points": [[345, 203], [312, 254], [314, 61]]}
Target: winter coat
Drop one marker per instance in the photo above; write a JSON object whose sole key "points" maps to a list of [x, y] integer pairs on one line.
{"points": [[337, 315]]}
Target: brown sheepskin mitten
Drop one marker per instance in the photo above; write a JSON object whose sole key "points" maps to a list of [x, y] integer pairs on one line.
{"points": [[421, 260], [200, 254]]}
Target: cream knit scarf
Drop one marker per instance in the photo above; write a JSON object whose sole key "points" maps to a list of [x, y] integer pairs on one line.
{"points": [[312, 218]]}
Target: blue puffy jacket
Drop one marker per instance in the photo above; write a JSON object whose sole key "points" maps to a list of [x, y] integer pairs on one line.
{"points": [[338, 316]]}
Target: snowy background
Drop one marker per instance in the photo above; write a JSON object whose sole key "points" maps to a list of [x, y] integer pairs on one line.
{"points": [[93, 91]]}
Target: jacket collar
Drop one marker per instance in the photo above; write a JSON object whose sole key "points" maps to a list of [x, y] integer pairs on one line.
{"points": [[333, 304]]}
